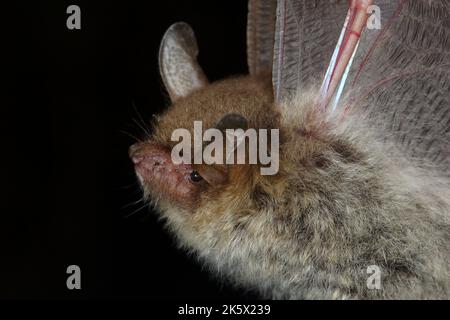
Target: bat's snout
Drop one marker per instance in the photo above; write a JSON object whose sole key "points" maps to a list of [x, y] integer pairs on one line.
{"points": [[155, 170], [148, 157], [135, 153]]}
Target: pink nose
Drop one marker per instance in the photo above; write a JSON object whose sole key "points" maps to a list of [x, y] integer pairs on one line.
{"points": [[155, 169], [135, 153], [137, 159]]}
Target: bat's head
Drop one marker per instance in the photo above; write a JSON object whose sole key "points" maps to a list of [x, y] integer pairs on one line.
{"points": [[190, 194], [238, 103]]}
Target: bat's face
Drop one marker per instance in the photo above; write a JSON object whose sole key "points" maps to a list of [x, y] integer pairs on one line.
{"points": [[196, 193]]}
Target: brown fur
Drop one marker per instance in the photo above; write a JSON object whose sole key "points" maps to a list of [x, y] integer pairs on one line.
{"points": [[344, 199]]}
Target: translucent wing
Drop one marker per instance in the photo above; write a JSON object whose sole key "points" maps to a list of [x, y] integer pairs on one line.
{"points": [[400, 76], [260, 35], [398, 72], [305, 37]]}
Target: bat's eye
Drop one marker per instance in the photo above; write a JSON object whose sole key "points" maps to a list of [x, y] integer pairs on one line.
{"points": [[195, 176]]}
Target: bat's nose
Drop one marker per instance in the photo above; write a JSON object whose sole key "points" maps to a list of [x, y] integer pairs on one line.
{"points": [[135, 153], [137, 159]]}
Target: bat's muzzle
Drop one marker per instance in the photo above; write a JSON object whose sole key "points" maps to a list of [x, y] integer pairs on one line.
{"points": [[157, 172]]}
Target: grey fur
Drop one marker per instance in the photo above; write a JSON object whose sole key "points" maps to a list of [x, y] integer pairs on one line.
{"points": [[353, 202]]}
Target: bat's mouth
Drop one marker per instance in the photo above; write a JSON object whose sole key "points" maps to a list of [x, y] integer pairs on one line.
{"points": [[158, 174]]}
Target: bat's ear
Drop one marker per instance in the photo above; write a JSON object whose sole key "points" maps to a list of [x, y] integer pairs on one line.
{"points": [[178, 64]]}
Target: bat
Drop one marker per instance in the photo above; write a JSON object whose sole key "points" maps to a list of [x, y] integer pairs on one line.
{"points": [[360, 205]]}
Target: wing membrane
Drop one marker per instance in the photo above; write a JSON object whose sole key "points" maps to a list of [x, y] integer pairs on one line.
{"points": [[401, 77], [305, 37], [260, 35]]}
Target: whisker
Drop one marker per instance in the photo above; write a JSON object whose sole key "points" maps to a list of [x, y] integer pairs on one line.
{"points": [[137, 210], [133, 203], [131, 136], [134, 188], [146, 132], [143, 125], [131, 185]]}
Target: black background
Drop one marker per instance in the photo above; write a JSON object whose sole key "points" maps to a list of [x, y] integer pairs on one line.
{"points": [[72, 99], [67, 121]]}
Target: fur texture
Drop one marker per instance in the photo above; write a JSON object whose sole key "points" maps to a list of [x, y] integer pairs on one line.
{"points": [[347, 197]]}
